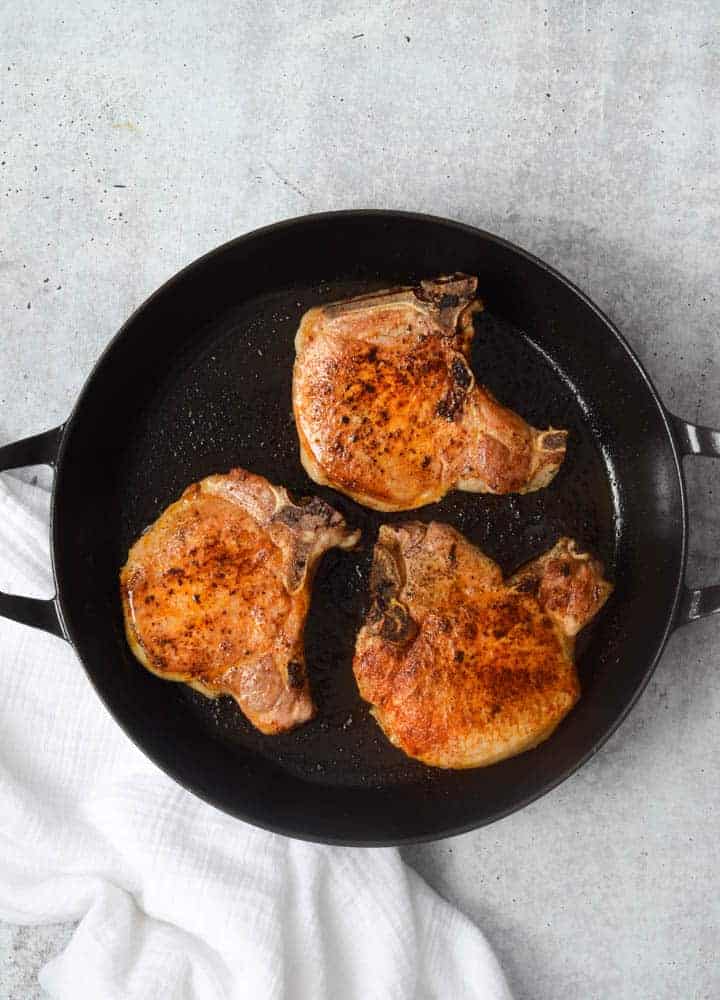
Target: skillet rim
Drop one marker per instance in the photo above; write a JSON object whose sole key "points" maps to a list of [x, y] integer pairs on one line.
{"points": [[339, 215]]}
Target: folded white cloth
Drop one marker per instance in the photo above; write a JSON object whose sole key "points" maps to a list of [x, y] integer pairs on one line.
{"points": [[175, 899]]}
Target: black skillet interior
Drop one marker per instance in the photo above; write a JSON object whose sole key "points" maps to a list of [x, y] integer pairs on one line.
{"points": [[199, 381]]}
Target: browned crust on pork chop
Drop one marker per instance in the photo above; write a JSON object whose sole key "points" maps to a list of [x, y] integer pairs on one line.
{"points": [[462, 668], [216, 593], [387, 408]]}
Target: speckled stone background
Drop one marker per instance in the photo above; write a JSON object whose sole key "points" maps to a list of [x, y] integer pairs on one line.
{"points": [[135, 136]]}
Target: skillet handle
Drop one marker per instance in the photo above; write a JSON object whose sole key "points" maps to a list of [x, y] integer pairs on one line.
{"points": [[41, 449], [694, 439]]}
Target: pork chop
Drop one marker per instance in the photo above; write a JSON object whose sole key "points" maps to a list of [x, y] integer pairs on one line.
{"points": [[387, 408], [216, 593], [462, 668]]}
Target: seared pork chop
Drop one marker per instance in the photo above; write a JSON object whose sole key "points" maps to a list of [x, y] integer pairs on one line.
{"points": [[216, 593], [387, 409], [462, 668]]}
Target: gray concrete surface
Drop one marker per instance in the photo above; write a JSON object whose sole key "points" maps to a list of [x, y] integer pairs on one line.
{"points": [[135, 136]]}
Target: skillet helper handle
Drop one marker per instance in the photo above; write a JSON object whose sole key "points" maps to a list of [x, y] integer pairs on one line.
{"points": [[41, 449], [693, 439]]}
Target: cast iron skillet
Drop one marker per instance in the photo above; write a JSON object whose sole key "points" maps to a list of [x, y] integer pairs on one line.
{"points": [[198, 380]]}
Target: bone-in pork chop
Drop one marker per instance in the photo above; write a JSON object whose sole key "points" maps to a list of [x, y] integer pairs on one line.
{"points": [[216, 593], [462, 668], [387, 408]]}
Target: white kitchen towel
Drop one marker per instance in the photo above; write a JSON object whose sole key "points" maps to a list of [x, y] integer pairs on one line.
{"points": [[175, 899]]}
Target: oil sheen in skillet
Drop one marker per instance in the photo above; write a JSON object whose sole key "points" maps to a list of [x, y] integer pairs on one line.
{"points": [[227, 402]]}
